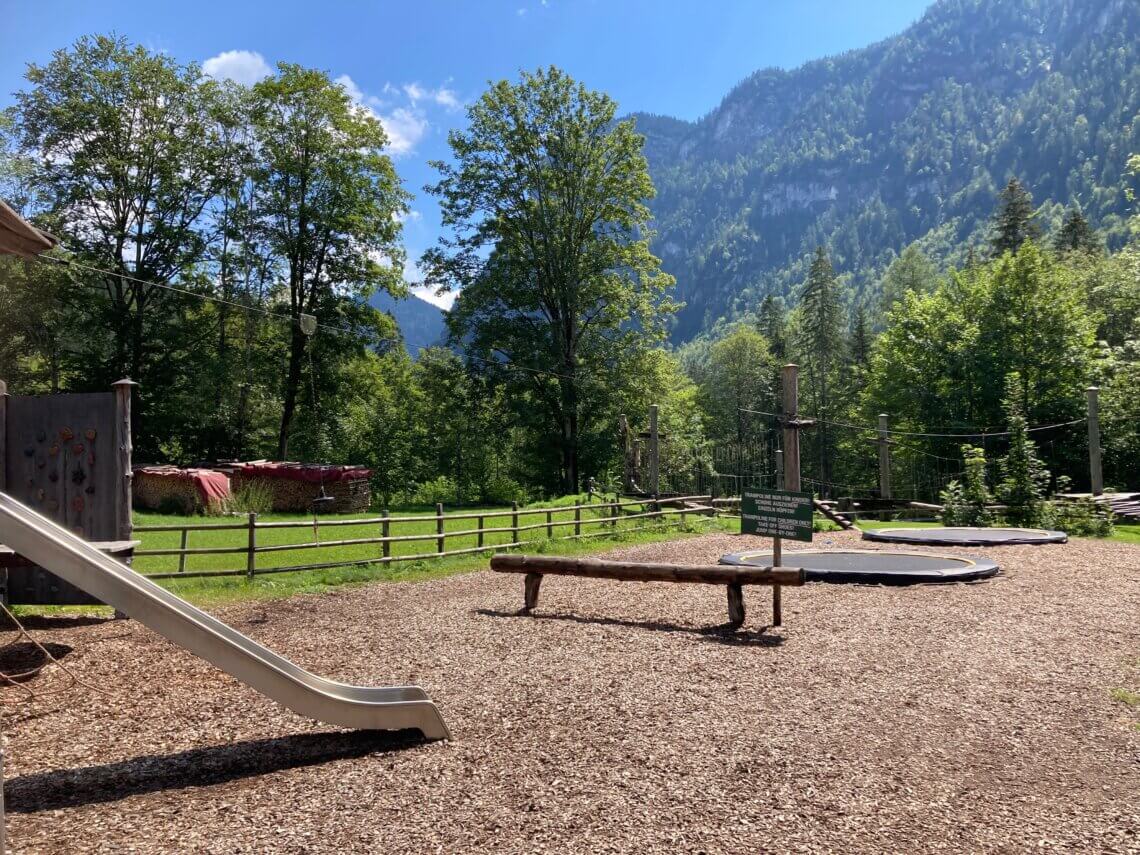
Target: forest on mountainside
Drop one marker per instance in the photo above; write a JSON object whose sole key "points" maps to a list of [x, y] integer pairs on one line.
{"points": [[905, 141]]}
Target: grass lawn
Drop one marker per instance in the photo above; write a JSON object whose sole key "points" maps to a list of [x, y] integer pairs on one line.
{"points": [[208, 590], [231, 533]]}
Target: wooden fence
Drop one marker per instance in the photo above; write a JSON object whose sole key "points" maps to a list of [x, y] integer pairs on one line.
{"points": [[607, 517]]}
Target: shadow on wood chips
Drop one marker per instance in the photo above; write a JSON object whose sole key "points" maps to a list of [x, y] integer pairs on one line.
{"points": [[57, 621], [199, 767], [720, 634], [23, 660]]}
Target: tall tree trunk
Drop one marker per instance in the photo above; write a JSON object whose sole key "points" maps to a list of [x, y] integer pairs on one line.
{"points": [[292, 383]]}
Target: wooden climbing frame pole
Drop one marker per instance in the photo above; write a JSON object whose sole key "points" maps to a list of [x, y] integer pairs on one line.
{"points": [[626, 456], [654, 452], [884, 457], [1096, 476], [790, 381]]}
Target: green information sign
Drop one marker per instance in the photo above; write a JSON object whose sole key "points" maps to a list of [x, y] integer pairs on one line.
{"points": [[776, 513]]}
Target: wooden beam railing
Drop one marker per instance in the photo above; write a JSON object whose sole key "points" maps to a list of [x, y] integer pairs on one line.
{"points": [[610, 517]]}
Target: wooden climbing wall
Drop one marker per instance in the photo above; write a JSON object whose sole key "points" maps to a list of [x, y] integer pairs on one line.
{"points": [[69, 458], [61, 460]]}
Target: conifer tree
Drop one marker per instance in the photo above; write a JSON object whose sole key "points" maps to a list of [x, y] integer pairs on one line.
{"points": [[1076, 235], [860, 346], [773, 325], [821, 342], [1013, 221]]}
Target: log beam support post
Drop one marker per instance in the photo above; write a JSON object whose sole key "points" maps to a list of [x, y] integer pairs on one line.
{"points": [[531, 584], [736, 604]]}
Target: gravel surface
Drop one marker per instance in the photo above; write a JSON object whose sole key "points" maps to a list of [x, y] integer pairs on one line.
{"points": [[618, 718]]}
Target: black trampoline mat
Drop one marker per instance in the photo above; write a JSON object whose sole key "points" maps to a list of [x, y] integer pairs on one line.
{"points": [[962, 536], [885, 568]]}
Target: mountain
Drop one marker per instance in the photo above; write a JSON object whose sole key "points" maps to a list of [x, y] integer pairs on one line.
{"points": [[906, 140], [421, 324]]}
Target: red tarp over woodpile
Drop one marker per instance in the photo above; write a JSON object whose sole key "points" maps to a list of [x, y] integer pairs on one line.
{"points": [[211, 486], [311, 473]]}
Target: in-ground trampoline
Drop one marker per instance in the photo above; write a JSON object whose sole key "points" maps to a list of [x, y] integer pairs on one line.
{"points": [[950, 536], [875, 568]]}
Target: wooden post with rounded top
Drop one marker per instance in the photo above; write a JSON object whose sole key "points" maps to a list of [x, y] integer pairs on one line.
{"points": [[123, 449]]}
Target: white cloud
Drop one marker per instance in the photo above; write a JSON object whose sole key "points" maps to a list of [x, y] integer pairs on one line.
{"points": [[442, 96], [427, 293], [520, 11], [446, 98], [242, 66], [405, 126], [349, 85], [414, 277]]}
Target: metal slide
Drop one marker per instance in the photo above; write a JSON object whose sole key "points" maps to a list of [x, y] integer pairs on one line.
{"points": [[54, 548]]}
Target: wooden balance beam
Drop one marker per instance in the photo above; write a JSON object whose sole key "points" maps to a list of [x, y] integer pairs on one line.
{"points": [[734, 578]]}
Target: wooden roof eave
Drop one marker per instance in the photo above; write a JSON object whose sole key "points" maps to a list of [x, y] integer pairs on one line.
{"points": [[19, 237]]}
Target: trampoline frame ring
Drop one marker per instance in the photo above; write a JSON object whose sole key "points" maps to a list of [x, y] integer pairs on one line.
{"points": [[1034, 536], [974, 568]]}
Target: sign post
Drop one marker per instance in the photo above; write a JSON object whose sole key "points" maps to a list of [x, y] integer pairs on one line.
{"points": [[777, 514]]}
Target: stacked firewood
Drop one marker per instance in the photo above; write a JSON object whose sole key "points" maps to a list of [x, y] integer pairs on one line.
{"points": [[290, 494], [170, 489]]}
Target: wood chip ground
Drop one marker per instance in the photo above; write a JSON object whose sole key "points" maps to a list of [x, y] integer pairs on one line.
{"points": [[618, 718]]}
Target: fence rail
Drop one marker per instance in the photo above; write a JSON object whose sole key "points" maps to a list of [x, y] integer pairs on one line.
{"points": [[609, 517]]}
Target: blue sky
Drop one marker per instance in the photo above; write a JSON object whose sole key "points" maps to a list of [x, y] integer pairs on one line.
{"points": [[417, 63]]}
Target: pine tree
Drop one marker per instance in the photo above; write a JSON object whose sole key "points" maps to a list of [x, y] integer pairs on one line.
{"points": [[821, 341], [1013, 221], [773, 325], [860, 346], [1076, 235]]}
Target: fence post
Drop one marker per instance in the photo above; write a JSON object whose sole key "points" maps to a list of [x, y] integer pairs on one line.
{"points": [[1096, 477], [182, 555], [439, 526], [654, 452], [577, 520], [884, 457], [614, 516], [514, 523], [251, 548], [479, 525], [385, 532], [549, 527]]}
